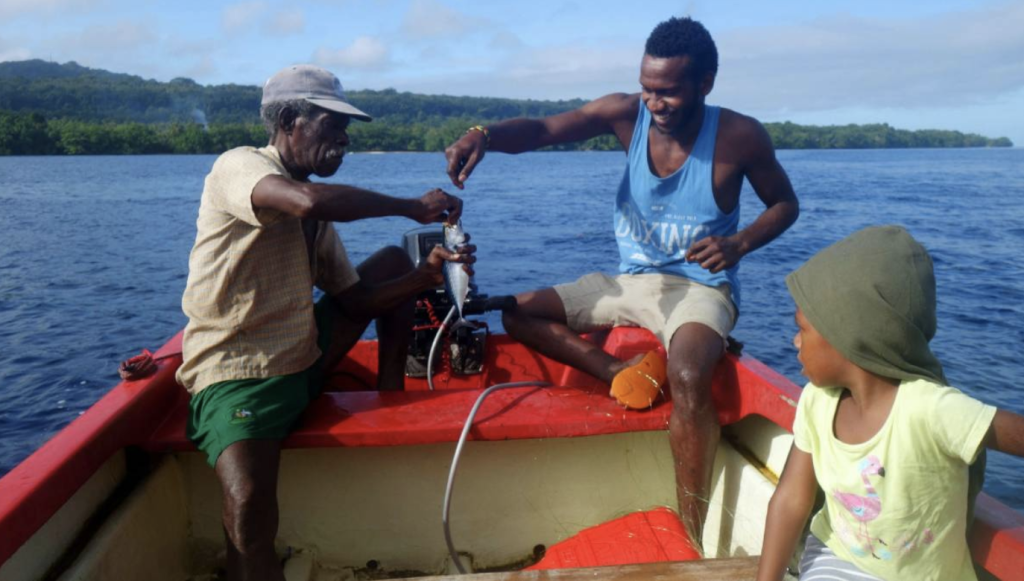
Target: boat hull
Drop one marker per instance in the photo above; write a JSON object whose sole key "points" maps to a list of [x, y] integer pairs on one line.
{"points": [[121, 493]]}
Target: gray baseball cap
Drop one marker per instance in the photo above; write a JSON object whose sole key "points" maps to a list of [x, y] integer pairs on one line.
{"points": [[313, 84]]}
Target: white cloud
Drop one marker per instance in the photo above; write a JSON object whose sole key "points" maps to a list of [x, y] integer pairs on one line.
{"points": [[841, 62], [569, 71], [203, 68], [14, 54], [430, 19], [16, 8], [364, 53], [575, 59], [565, 10], [563, 72], [116, 37], [285, 23], [188, 47], [505, 40], [13, 49], [242, 17], [936, 63]]}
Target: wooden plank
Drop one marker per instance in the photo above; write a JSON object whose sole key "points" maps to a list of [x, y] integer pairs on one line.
{"points": [[735, 569]]}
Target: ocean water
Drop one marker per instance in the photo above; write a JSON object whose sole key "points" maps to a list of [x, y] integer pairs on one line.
{"points": [[94, 257]]}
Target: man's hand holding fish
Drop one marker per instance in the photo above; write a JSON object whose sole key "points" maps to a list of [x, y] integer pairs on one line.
{"points": [[437, 261], [437, 206]]}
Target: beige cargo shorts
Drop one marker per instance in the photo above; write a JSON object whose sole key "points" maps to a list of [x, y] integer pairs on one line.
{"points": [[660, 303]]}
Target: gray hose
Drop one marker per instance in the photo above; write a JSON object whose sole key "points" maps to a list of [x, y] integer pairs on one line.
{"points": [[455, 462], [433, 347]]}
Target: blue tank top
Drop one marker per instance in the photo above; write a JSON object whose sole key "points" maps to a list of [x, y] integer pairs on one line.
{"points": [[657, 219]]}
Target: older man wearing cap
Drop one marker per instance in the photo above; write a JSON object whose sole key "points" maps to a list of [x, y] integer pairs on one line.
{"points": [[255, 343]]}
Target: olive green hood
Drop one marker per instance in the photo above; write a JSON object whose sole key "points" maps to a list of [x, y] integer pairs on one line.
{"points": [[872, 297]]}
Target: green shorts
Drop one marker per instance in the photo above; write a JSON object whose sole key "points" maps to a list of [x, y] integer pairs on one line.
{"points": [[257, 409]]}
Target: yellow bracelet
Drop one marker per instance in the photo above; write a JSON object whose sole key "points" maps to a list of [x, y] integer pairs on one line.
{"points": [[481, 129]]}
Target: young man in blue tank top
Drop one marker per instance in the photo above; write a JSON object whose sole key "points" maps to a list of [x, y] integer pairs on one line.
{"points": [[676, 218]]}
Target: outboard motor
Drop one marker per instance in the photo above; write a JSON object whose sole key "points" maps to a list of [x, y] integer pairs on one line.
{"points": [[466, 347]]}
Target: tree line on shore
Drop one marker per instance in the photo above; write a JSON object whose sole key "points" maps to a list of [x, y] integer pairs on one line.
{"points": [[53, 109], [33, 134]]}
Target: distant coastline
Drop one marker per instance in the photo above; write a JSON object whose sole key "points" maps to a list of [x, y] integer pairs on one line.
{"points": [[67, 109], [34, 134]]}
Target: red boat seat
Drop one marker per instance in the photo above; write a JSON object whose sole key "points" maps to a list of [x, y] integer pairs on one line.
{"points": [[653, 536]]}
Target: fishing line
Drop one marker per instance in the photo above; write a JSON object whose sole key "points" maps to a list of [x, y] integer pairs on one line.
{"points": [[455, 461]]}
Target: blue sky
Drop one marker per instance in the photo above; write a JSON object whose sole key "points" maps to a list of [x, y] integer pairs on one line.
{"points": [[947, 64]]}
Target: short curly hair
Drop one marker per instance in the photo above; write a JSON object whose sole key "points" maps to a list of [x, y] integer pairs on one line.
{"points": [[684, 37], [269, 113]]}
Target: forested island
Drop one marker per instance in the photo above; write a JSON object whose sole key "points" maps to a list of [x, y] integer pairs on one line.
{"points": [[67, 109]]}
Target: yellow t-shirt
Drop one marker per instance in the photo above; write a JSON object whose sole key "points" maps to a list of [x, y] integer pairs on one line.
{"points": [[249, 295], [896, 505]]}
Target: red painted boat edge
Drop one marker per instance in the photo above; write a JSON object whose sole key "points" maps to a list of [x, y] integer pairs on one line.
{"points": [[37, 488], [997, 540], [142, 413]]}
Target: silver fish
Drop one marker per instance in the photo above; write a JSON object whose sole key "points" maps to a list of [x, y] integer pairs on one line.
{"points": [[456, 280]]}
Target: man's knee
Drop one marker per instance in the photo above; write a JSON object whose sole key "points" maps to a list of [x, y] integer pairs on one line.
{"points": [[512, 320], [385, 264], [243, 492], [694, 354], [690, 384], [246, 511], [247, 471], [545, 304]]}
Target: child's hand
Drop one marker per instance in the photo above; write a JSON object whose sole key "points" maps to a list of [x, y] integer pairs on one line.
{"points": [[787, 513]]}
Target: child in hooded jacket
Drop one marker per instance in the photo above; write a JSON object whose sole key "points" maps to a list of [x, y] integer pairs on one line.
{"points": [[877, 428]]}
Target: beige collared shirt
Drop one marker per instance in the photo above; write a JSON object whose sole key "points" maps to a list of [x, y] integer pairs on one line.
{"points": [[249, 296]]}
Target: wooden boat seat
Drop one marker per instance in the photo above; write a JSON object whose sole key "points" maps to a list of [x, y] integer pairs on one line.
{"points": [[653, 536]]}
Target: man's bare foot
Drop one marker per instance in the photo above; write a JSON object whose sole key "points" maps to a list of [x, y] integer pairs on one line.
{"points": [[627, 363]]}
